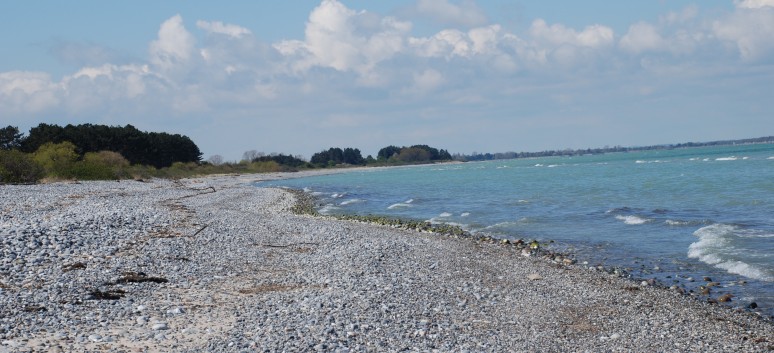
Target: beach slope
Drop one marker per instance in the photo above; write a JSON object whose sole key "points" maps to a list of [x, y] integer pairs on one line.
{"points": [[215, 264]]}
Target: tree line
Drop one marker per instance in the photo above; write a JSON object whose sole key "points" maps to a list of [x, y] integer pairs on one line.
{"points": [[99, 152], [157, 149]]}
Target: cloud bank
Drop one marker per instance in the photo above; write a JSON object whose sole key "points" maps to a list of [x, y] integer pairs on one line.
{"points": [[365, 78]]}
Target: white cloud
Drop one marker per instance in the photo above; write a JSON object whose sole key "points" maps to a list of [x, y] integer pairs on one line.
{"points": [[753, 4], [642, 37], [27, 92], [346, 40], [557, 34], [174, 46], [466, 14], [751, 29], [218, 27], [428, 80]]}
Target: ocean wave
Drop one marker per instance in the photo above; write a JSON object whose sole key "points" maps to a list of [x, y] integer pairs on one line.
{"points": [[714, 247], [632, 220], [328, 208], [307, 189], [406, 203], [445, 214], [350, 201], [732, 158], [337, 195], [398, 205], [464, 214], [772, 157], [675, 223]]}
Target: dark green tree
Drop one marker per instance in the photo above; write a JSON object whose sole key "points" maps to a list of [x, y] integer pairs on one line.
{"points": [[158, 149], [10, 138], [387, 152]]}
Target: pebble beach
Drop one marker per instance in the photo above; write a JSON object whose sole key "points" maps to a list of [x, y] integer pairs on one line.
{"points": [[217, 265]]}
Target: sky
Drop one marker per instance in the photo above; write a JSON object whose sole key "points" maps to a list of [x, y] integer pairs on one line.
{"points": [[298, 77]]}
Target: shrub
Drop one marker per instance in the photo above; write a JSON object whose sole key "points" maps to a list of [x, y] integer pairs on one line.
{"points": [[19, 167], [90, 170], [56, 158], [114, 161]]}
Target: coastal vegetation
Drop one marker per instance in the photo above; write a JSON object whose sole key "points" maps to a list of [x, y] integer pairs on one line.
{"points": [[98, 152]]}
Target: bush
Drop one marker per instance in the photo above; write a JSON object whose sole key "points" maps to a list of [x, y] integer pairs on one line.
{"points": [[56, 158], [114, 161], [90, 170], [19, 167]]}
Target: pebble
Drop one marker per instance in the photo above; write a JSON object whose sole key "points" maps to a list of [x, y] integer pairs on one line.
{"points": [[260, 278]]}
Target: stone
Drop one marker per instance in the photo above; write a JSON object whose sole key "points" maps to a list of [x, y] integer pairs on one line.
{"points": [[95, 338], [725, 298], [534, 277], [160, 326]]}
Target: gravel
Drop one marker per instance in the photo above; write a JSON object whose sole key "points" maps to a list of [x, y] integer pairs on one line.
{"points": [[214, 264]]}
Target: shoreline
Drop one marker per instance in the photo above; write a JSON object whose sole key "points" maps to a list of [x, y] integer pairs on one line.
{"points": [[243, 272], [700, 291]]}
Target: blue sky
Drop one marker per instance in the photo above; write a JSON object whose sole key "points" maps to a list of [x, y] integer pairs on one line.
{"points": [[489, 76]]}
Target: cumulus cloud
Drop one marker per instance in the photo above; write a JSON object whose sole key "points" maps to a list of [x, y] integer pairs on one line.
{"points": [[753, 4], [218, 27], [557, 34], [642, 37], [466, 14], [344, 39], [27, 92], [750, 29], [174, 46]]}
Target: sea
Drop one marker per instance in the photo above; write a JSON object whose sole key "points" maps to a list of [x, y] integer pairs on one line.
{"points": [[675, 216]]}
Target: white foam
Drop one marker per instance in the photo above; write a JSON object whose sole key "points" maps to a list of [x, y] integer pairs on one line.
{"points": [[714, 241], [772, 157], [732, 158], [670, 222], [744, 269], [307, 189], [464, 214], [553, 165], [327, 209], [445, 214], [316, 193], [538, 165], [398, 205], [633, 220], [337, 195], [350, 201], [751, 233], [409, 201]]}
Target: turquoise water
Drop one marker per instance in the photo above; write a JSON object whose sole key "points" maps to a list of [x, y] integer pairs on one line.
{"points": [[672, 215]]}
